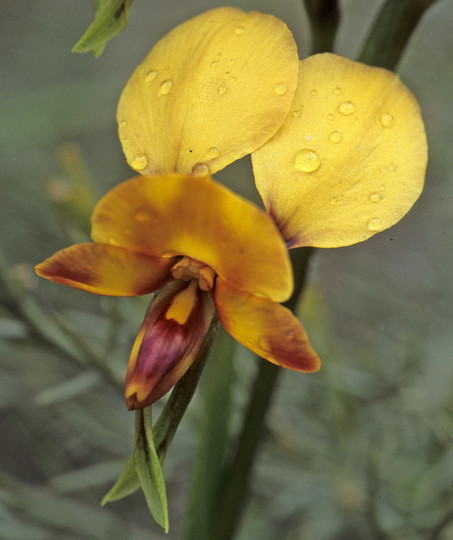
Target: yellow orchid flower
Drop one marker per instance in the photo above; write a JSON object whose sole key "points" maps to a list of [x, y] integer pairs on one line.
{"points": [[339, 154], [207, 249]]}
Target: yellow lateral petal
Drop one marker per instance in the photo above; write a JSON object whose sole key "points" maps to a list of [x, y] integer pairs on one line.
{"points": [[268, 329], [104, 269], [349, 160], [173, 215], [211, 91]]}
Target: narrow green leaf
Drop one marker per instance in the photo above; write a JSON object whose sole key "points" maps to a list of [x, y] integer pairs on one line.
{"points": [[126, 484], [110, 18], [148, 468]]}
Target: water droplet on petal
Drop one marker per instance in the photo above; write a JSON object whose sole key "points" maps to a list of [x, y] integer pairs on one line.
{"points": [[213, 152], [346, 108], [375, 224], [386, 119], [314, 92], [337, 90], [307, 160], [290, 334], [142, 215], [122, 123], [334, 200], [330, 116], [335, 137], [265, 345], [280, 89], [113, 240], [227, 75], [151, 75], [165, 87], [139, 162], [392, 168], [239, 30], [297, 113], [376, 197], [200, 169], [222, 90]]}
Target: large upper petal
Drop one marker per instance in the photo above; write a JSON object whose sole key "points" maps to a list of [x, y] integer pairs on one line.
{"points": [[105, 269], [350, 159], [211, 91], [169, 215], [268, 329]]}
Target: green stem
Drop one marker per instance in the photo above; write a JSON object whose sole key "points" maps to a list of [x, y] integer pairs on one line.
{"points": [[324, 18], [165, 428], [234, 493], [391, 31]]}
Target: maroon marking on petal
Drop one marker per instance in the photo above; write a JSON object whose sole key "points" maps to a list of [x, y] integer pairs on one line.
{"points": [[167, 348]]}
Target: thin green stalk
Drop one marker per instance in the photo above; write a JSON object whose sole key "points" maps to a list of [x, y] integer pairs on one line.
{"points": [[165, 428], [235, 490], [324, 16], [391, 31]]}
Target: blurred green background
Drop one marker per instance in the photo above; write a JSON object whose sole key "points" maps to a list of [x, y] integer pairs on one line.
{"points": [[362, 449]]}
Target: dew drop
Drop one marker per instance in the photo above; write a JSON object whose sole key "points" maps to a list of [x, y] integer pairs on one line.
{"points": [[280, 89], [314, 92], [239, 30], [297, 113], [222, 90], [391, 167], [334, 200], [376, 197], [200, 169], [330, 116], [337, 90], [307, 160], [215, 62], [346, 108], [139, 162], [386, 119], [151, 75], [165, 87], [227, 75], [290, 334], [122, 123], [142, 215], [375, 224], [335, 137], [213, 152], [113, 240]]}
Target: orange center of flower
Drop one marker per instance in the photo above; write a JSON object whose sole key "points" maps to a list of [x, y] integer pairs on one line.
{"points": [[190, 269]]}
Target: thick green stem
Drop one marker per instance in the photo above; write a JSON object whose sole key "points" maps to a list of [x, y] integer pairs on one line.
{"points": [[324, 18], [391, 31], [232, 499]]}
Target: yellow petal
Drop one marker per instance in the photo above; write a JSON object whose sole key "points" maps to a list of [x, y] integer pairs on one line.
{"points": [[166, 346], [349, 160], [211, 91], [104, 269], [268, 329], [196, 217]]}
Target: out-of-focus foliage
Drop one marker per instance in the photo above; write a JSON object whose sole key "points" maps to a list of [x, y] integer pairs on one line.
{"points": [[363, 449]]}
